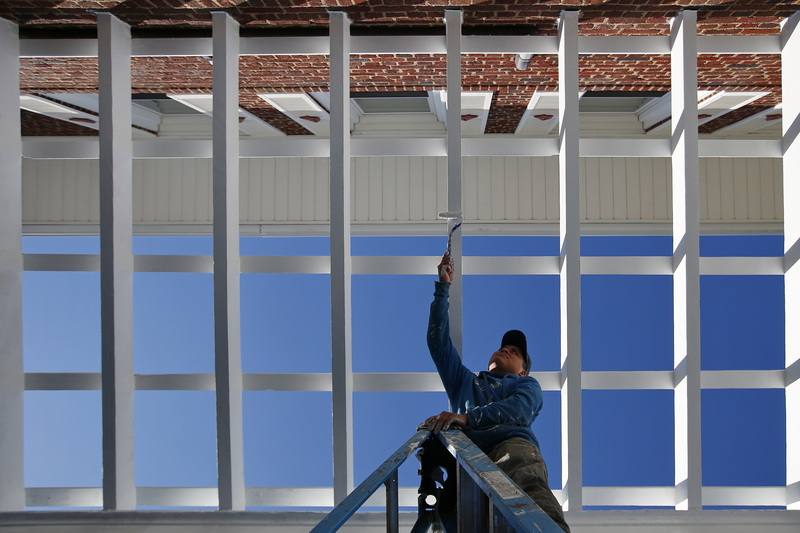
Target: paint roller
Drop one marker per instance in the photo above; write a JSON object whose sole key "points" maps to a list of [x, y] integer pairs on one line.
{"points": [[458, 219]]}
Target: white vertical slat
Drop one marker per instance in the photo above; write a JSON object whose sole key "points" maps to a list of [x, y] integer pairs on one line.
{"points": [[484, 189], [647, 188], [341, 267], [702, 205], [268, 171], [162, 188], [470, 178], [713, 189], [189, 189], [570, 276], [281, 206], [790, 40], [253, 176], [12, 378], [726, 189], [441, 188], [525, 196], [56, 198], [430, 166], [453, 19], [227, 323], [389, 190], [415, 188], [116, 262], [43, 191], [511, 165], [147, 178], [176, 192], [753, 189], [321, 189], [294, 198], [497, 173], [94, 192], [740, 191], [69, 197], [686, 262], [592, 180], [633, 190], [307, 189], [553, 187], [661, 189], [778, 184], [583, 192], [29, 173], [137, 186], [204, 198], [620, 184], [361, 189], [403, 188], [767, 186], [606, 179], [375, 197]]}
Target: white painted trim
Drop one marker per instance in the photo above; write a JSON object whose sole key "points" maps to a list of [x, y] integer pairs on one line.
{"points": [[227, 322], [116, 262]]}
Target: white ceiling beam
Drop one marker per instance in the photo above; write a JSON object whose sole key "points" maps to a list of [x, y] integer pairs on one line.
{"points": [[12, 482], [116, 262], [430, 44]]}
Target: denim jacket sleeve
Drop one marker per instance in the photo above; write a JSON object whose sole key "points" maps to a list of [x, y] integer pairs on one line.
{"points": [[448, 363], [519, 408]]}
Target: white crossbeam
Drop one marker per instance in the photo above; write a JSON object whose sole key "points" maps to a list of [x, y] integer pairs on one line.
{"points": [[116, 262], [12, 496]]}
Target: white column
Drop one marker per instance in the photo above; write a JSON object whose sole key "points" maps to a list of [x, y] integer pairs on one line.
{"points": [[116, 261], [790, 69], [686, 262], [12, 379], [227, 341], [570, 275], [453, 19], [341, 268]]}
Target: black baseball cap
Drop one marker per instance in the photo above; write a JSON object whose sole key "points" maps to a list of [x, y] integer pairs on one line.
{"points": [[516, 338]]}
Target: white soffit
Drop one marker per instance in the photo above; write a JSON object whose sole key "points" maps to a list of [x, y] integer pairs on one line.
{"points": [[140, 116], [474, 110], [301, 108], [43, 106], [249, 124], [767, 122], [724, 102], [541, 115]]}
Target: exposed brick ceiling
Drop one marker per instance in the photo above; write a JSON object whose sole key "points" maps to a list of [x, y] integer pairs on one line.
{"points": [[512, 88]]}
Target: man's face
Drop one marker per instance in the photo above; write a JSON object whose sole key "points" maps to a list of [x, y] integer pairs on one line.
{"points": [[507, 360]]}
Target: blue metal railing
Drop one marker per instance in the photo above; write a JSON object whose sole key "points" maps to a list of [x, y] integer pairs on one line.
{"points": [[487, 498]]}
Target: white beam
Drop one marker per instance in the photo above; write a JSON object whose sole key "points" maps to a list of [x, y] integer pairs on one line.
{"points": [[790, 38], [341, 268], [686, 261], [453, 19], [12, 495], [570, 258], [227, 341], [116, 261]]}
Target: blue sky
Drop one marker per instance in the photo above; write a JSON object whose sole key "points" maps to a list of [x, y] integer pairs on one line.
{"points": [[626, 325]]}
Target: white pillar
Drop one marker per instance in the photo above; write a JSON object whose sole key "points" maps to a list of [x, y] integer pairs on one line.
{"points": [[790, 38], [453, 19], [570, 261], [12, 379], [227, 341], [341, 268], [116, 261], [686, 262]]}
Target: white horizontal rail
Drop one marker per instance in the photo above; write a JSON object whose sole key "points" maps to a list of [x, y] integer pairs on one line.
{"points": [[419, 44], [76, 497], [414, 265], [87, 147], [410, 381]]}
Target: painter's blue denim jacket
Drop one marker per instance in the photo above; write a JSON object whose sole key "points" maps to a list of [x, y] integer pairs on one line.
{"points": [[499, 406]]}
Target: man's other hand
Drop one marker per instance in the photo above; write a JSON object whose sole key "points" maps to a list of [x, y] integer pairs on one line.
{"points": [[444, 420], [446, 269]]}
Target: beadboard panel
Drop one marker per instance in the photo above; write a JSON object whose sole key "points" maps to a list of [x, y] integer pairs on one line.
{"points": [[407, 189]]}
